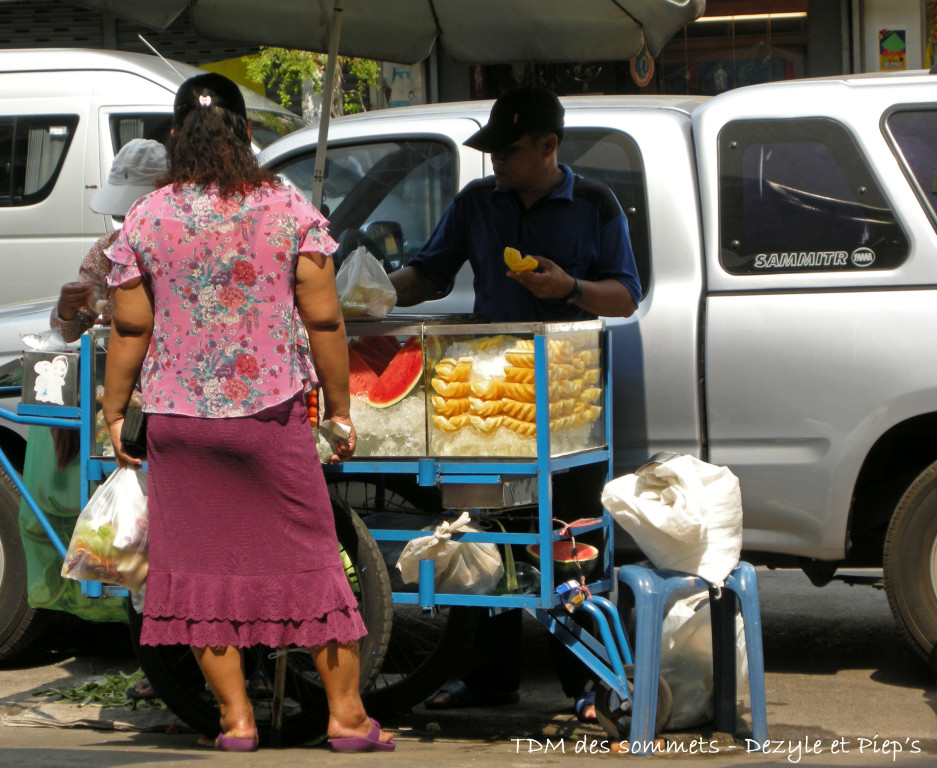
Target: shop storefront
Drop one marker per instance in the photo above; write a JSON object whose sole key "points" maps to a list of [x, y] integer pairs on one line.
{"points": [[743, 42]]}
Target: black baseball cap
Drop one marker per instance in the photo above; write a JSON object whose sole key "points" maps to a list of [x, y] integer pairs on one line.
{"points": [[206, 91], [530, 109]]}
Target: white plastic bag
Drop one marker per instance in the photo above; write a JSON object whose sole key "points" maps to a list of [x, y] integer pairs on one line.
{"points": [[684, 514], [471, 567], [364, 289], [109, 543], [686, 658]]}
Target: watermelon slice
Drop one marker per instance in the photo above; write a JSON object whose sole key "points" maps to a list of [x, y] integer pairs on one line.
{"points": [[400, 377], [565, 558], [361, 377], [377, 361], [387, 345]]}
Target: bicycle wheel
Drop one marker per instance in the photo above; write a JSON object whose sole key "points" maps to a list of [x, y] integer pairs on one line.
{"points": [[178, 681], [426, 649]]}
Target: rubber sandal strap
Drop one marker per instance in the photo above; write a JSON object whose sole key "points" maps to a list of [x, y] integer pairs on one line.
{"points": [[586, 698]]}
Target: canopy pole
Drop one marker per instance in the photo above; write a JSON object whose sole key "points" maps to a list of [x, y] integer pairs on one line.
{"points": [[279, 672], [327, 88]]}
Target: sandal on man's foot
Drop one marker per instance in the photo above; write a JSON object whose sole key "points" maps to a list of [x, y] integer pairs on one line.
{"points": [[141, 691], [586, 699], [459, 696]]}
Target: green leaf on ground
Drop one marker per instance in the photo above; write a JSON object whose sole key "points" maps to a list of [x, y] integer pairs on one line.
{"points": [[109, 693]]}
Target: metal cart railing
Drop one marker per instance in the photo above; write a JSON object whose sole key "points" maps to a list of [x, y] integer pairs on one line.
{"points": [[94, 468]]}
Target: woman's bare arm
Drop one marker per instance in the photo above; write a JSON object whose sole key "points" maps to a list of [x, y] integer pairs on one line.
{"points": [[319, 308], [131, 330]]}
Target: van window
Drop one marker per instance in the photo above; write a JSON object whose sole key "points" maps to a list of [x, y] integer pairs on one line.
{"points": [[386, 194], [32, 151], [126, 126], [798, 196], [914, 136], [613, 158]]}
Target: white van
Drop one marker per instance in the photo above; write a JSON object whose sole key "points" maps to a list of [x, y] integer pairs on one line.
{"points": [[64, 114]]}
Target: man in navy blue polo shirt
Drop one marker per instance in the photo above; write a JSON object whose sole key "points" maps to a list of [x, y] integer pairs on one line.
{"points": [[575, 229]]}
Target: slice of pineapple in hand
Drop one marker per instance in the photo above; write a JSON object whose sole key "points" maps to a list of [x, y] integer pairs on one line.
{"points": [[512, 257]]}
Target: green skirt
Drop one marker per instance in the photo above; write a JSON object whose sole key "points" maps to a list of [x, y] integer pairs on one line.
{"points": [[58, 495]]}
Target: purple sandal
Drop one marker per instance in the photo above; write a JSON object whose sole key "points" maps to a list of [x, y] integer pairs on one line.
{"points": [[370, 743], [235, 744]]}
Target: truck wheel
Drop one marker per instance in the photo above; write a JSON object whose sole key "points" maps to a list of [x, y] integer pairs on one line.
{"points": [[19, 624], [910, 563], [425, 650], [177, 680]]}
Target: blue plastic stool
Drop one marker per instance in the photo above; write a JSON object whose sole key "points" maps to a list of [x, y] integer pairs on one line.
{"points": [[646, 590]]}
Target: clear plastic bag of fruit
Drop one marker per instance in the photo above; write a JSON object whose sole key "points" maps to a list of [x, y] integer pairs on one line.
{"points": [[109, 543], [364, 289]]}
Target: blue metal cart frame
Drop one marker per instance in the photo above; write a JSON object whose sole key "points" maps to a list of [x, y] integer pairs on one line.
{"points": [[607, 655], [93, 469]]}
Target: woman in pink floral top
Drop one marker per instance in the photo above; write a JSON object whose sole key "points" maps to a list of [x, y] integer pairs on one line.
{"points": [[214, 276], [227, 338]]}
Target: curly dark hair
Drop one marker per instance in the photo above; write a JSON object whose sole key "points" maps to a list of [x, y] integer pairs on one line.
{"points": [[210, 142]]}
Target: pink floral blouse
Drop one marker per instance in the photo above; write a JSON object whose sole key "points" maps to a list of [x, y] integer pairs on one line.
{"points": [[227, 339]]}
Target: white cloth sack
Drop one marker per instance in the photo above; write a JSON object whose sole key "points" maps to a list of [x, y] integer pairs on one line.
{"points": [[684, 514], [686, 658], [471, 567], [364, 289]]}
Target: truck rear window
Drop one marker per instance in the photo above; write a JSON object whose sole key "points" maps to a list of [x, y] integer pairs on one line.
{"points": [[797, 195]]}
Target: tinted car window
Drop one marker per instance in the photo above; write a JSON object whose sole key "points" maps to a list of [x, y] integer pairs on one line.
{"points": [[798, 196], [914, 135], [613, 158], [32, 150], [388, 195]]}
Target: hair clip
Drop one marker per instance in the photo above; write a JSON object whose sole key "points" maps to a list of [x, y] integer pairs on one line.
{"points": [[204, 100]]}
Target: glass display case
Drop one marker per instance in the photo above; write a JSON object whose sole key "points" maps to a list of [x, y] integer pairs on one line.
{"points": [[428, 387], [434, 388], [101, 446]]}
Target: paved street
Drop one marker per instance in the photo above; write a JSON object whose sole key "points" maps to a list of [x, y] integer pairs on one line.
{"points": [[842, 690]]}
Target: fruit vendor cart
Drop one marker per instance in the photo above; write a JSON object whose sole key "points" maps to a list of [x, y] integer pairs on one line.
{"points": [[486, 415], [451, 417]]}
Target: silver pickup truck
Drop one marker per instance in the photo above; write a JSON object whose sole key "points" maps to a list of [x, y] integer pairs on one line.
{"points": [[786, 236], [786, 240]]}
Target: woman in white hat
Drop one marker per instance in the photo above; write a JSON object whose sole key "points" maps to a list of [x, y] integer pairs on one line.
{"points": [[134, 173]]}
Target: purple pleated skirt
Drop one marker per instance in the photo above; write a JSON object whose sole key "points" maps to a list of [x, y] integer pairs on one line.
{"points": [[242, 540]]}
